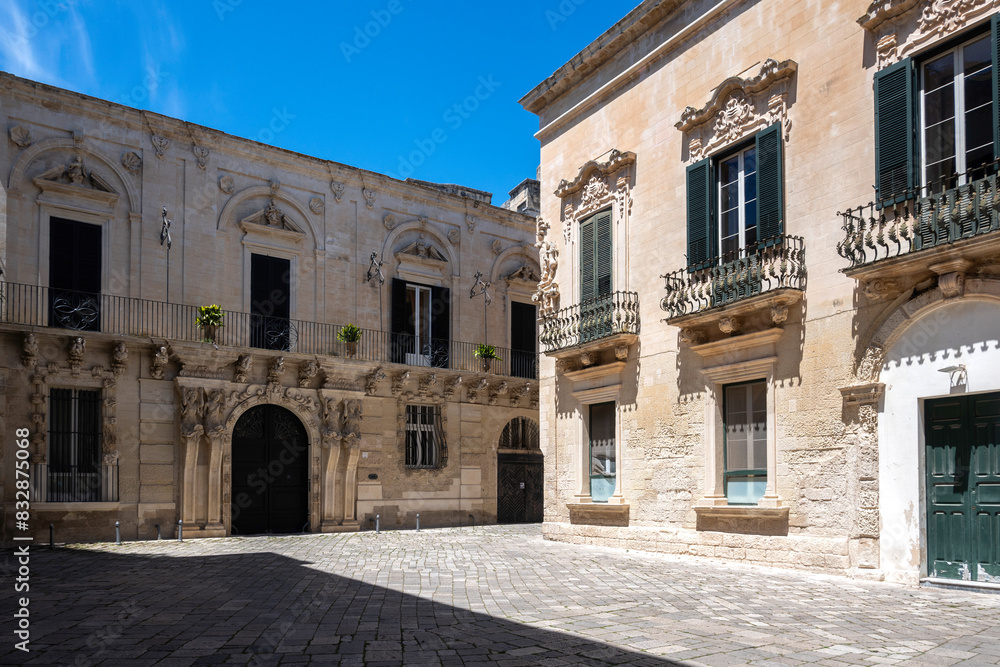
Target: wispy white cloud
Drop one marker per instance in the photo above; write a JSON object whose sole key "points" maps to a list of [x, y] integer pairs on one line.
{"points": [[18, 43], [83, 41]]}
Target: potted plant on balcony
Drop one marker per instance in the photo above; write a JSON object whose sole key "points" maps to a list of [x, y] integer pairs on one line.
{"points": [[487, 353], [209, 320], [349, 334]]}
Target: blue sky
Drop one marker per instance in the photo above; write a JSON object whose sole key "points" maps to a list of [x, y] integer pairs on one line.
{"points": [[395, 86]]}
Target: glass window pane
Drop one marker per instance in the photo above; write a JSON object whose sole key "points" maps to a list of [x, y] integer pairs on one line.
{"points": [[940, 71], [750, 213], [603, 464], [979, 157], [939, 105], [750, 187], [940, 142], [940, 176], [730, 196], [750, 161], [978, 89], [977, 55], [745, 490], [978, 129], [730, 223], [729, 170]]}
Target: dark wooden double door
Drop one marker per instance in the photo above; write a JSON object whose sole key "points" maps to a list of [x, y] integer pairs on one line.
{"points": [[963, 487], [270, 472], [520, 485]]}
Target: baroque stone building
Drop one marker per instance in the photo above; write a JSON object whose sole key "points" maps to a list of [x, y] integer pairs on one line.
{"points": [[798, 203], [174, 334]]}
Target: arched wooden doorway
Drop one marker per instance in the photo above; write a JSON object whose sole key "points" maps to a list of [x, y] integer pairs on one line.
{"points": [[270, 472], [520, 481]]}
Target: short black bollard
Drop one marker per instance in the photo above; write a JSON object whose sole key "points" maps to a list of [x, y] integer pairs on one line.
{"points": [[157, 530], [376, 524], [52, 535], [180, 530], [118, 533], [418, 522], [473, 520]]}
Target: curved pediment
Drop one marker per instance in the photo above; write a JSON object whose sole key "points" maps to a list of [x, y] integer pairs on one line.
{"points": [[770, 73], [616, 161]]}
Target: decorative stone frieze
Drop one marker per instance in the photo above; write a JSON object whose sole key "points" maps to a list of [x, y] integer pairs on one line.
{"points": [[497, 390], [307, 371], [131, 161], [160, 145], [200, 155], [397, 383], [476, 388], [738, 108], [77, 348], [29, 351], [243, 365], [451, 386], [159, 362], [274, 370], [369, 196], [471, 222], [119, 358], [338, 190], [373, 379]]}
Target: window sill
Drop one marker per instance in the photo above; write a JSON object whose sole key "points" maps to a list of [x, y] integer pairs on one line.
{"points": [[598, 514], [744, 519], [83, 506]]}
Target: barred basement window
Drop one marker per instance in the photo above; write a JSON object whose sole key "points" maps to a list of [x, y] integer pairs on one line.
{"points": [[74, 461], [424, 436]]}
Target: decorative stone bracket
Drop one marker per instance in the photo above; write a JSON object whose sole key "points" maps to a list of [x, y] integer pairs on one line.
{"points": [[739, 107]]}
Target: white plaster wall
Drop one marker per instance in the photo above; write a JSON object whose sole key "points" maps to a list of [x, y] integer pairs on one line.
{"points": [[961, 332]]}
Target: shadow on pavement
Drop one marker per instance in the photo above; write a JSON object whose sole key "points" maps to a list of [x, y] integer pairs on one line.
{"points": [[93, 607]]}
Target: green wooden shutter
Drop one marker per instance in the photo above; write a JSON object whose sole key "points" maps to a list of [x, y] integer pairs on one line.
{"points": [[602, 254], [701, 235], [995, 25], [770, 208], [587, 267], [895, 132]]}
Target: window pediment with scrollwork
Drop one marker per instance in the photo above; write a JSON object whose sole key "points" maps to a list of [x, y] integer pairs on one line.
{"points": [[597, 186], [738, 108]]}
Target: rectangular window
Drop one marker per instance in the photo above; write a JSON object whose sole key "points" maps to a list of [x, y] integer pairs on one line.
{"points": [[270, 303], [745, 408], [74, 275], [421, 321], [956, 101], [75, 447], [738, 201], [424, 436], [603, 461]]}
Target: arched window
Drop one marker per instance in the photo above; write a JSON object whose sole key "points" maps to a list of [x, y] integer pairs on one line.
{"points": [[520, 433]]}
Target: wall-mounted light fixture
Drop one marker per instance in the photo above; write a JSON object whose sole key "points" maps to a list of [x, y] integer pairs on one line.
{"points": [[957, 375]]}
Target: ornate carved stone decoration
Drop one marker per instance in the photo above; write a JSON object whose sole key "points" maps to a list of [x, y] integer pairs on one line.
{"points": [[274, 185], [74, 173], [350, 421], [730, 325], [243, 364], [213, 409], [389, 220], [426, 383], [191, 408], [78, 138], [131, 161], [691, 336], [160, 145], [471, 222], [273, 217], [524, 274], [496, 391], [451, 386], [307, 371], [587, 359], [201, 156], [898, 31], [21, 136], [879, 288], [316, 205], [397, 382], [369, 197], [338, 190], [454, 236], [476, 388], [109, 441], [739, 107], [497, 247], [519, 393], [533, 403], [227, 184], [329, 429], [77, 348], [274, 370], [779, 314], [29, 351], [621, 352], [420, 248], [547, 293], [952, 284], [870, 366], [119, 359], [373, 379], [159, 362]]}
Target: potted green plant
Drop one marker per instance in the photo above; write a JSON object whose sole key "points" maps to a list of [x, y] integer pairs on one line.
{"points": [[209, 320], [349, 334], [487, 353]]}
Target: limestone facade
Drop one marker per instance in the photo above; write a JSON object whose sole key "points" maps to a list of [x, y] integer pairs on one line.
{"points": [[849, 349], [184, 217]]}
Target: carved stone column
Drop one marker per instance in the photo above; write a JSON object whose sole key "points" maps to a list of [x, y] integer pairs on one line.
{"points": [[351, 484], [215, 431], [191, 408]]}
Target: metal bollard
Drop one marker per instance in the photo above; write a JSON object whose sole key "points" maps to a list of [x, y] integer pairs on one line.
{"points": [[52, 535], [418, 522], [118, 533], [157, 530], [376, 524], [180, 530], [473, 520]]}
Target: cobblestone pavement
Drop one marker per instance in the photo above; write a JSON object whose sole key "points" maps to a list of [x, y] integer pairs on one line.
{"points": [[491, 595]]}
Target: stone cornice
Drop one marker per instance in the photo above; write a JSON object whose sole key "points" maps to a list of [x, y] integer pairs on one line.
{"points": [[770, 73]]}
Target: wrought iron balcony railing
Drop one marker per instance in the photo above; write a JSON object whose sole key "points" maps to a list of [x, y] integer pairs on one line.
{"points": [[592, 320], [126, 316], [74, 484], [772, 264], [956, 208]]}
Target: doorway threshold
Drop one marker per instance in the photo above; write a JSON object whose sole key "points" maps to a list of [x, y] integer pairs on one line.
{"points": [[959, 585]]}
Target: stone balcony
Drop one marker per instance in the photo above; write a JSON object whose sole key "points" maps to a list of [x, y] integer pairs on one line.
{"points": [[610, 321], [937, 234], [752, 288]]}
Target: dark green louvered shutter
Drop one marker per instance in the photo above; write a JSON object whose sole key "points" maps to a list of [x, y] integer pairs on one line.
{"points": [[770, 204], [587, 267], [995, 26], [895, 132], [701, 236], [602, 254]]}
